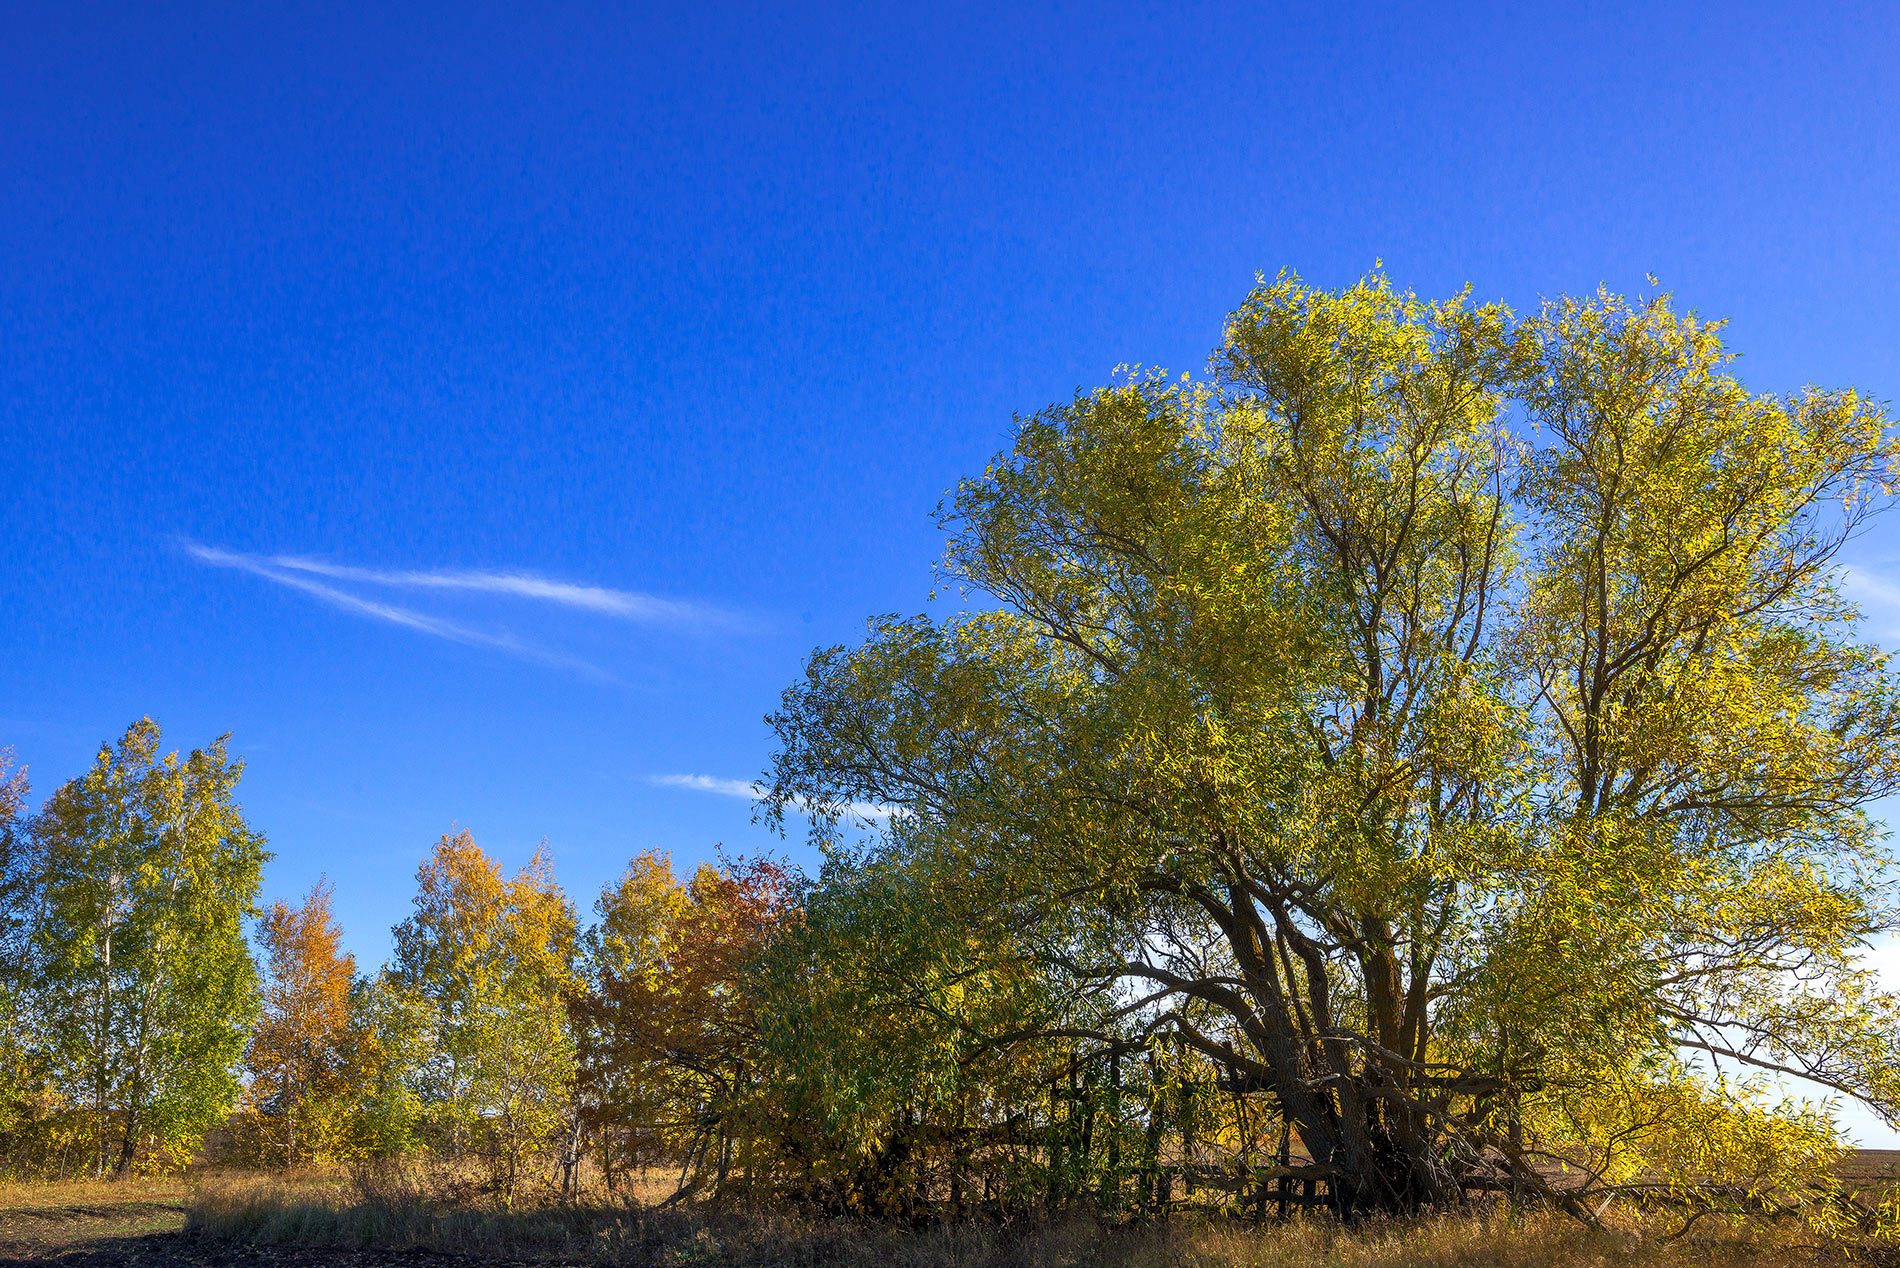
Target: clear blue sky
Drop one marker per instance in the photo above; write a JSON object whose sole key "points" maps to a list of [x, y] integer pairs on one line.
{"points": [[712, 303]]}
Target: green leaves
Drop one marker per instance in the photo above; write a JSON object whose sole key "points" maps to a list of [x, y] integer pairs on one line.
{"points": [[1436, 700], [475, 1007], [141, 873]]}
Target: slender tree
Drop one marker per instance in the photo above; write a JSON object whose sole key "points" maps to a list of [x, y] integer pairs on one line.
{"points": [[484, 968], [302, 1058], [21, 1069], [13, 791], [143, 871], [16, 888]]}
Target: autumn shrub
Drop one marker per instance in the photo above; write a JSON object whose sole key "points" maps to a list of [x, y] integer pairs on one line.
{"points": [[668, 1026]]}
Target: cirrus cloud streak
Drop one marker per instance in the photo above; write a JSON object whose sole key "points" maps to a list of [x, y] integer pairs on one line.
{"points": [[628, 605], [408, 618], [313, 577], [868, 810]]}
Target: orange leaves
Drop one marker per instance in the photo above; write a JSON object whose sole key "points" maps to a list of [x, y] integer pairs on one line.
{"points": [[307, 987], [300, 1059], [483, 969], [667, 1029], [678, 989], [471, 922]]}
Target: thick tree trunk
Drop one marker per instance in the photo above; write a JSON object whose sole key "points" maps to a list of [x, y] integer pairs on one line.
{"points": [[129, 1143], [1378, 1166]]}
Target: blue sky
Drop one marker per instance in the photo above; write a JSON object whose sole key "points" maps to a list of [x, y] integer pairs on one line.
{"points": [[481, 411]]}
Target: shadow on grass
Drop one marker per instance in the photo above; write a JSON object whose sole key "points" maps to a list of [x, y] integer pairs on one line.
{"points": [[178, 1249], [316, 1223]]}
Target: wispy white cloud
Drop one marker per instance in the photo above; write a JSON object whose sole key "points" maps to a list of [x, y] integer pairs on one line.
{"points": [[626, 605], [1877, 596], [713, 784], [408, 618], [1864, 583], [755, 792]]}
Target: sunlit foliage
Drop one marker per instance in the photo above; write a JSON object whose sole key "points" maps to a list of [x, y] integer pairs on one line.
{"points": [[1440, 720], [1424, 763], [476, 1000], [138, 876], [303, 1064]]}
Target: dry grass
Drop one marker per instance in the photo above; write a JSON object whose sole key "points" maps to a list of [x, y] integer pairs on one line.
{"points": [[315, 1212], [31, 1194]]}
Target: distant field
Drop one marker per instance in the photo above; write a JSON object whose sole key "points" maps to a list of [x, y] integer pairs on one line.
{"points": [[1871, 1164]]}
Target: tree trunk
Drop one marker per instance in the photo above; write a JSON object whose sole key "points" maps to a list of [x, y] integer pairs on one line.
{"points": [[571, 1156], [1111, 1192], [1380, 1165], [101, 1055]]}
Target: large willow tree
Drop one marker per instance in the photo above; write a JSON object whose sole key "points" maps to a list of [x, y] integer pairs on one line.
{"points": [[1445, 722]]}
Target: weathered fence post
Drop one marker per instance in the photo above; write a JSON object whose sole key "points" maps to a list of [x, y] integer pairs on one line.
{"points": [[1285, 1183], [1053, 1185], [1187, 1136], [1151, 1140], [959, 1158], [1111, 1194]]}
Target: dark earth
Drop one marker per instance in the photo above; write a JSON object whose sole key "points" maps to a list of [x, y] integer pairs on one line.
{"points": [[146, 1226]]}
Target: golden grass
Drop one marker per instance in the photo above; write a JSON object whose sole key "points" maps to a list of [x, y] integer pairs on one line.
{"points": [[316, 1211], [30, 1194]]}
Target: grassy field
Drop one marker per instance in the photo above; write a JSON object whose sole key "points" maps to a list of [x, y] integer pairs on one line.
{"points": [[318, 1222], [314, 1213], [40, 1222]]}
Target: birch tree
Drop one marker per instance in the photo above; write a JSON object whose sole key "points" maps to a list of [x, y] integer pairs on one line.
{"points": [[142, 872], [484, 968]]}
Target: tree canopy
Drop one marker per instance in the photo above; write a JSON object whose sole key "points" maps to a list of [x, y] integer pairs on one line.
{"points": [[1444, 720], [302, 1061], [1425, 760], [136, 879]]}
